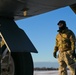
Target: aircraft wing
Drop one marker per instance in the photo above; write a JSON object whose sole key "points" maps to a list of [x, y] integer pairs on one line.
{"points": [[26, 8]]}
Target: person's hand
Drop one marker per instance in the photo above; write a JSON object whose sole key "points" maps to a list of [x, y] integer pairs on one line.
{"points": [[54, 54]]}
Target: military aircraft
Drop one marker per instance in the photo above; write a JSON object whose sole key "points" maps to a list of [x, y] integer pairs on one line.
{"points": [[15, 46]]}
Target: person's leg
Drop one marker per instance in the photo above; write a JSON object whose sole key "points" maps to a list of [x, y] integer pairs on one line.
{"points": [[72, 68], [62, 68], [70, 62]]}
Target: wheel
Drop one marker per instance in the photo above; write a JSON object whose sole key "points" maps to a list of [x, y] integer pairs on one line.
{"points": [[20, 63], [23, 63]]}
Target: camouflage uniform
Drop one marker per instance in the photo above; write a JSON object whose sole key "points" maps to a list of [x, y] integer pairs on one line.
{"points": [[65, 44]]}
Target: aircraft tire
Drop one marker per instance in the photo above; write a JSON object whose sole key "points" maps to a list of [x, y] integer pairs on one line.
{"points": [[23, 63]]}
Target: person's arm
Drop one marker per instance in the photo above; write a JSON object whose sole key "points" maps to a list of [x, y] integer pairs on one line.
{"points": [[55, 49], [56, 46], [72, 40]]}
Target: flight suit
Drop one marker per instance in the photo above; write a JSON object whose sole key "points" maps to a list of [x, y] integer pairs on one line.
{"points": [[65, 44]]}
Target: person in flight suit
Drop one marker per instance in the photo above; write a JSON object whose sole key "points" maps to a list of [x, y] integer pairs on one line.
{"points": [[65, 45]]}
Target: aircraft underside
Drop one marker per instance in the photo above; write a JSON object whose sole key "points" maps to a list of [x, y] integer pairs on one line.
{"points": [[19, 9]]}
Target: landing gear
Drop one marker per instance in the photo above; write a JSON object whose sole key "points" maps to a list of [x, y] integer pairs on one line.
{"points": [[15, 63], [15, 57], [18, 63]]}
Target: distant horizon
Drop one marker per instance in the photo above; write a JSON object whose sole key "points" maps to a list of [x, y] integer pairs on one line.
{"points": [[46, 64], [44, 61]]}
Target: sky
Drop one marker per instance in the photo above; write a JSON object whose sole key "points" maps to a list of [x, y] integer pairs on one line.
{"points": [[42, 31]]}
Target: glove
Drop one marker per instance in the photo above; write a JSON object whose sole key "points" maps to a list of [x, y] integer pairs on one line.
{"points": [[54, 54]]}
